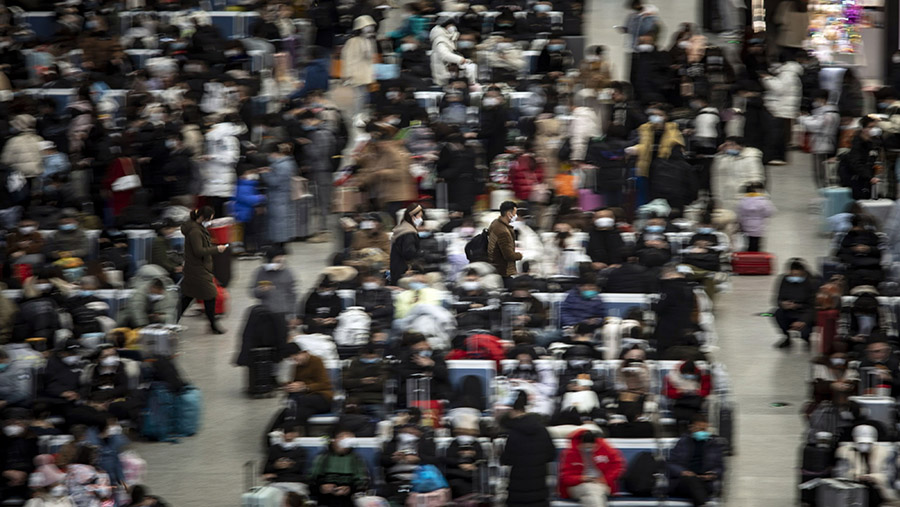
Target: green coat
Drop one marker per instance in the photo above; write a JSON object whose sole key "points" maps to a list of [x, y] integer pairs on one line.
{"points": [[341, 470], [198, 263]]}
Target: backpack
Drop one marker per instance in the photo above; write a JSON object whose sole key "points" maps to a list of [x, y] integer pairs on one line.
{"points": [[353, 327], [639, 478], [428, 478], [477, 247]]}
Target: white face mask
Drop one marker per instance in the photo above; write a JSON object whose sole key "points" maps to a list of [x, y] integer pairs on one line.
{"points": [[370, 286], [367, 225], [684, 44], [272, 266], [114, 430], [645, 48], [109, 361], [465, 439], [895, 58], [451, 29], [417, 221], [26, 230], [58, 491], [71, 360], [513, 219], [345, 443], [471, 285], [491, 102], [875, 131], [157, 297], [13, 430], [407, 438], [206, 223], [604, 222], [43, 287]]}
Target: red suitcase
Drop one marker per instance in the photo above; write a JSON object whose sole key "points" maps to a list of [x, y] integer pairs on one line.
{"points": [[752, 263]]}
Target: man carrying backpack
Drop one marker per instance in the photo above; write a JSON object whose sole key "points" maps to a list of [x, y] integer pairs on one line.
{"points": [[502, 242]]}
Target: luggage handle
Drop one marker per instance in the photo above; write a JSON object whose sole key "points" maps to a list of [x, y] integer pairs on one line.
{"points": [[874, 195], [250, 475]]}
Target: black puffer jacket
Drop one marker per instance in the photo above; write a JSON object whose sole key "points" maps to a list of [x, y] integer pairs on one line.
{"points": [[674, 312], [630, 278], [605, 246], [529, 449]]}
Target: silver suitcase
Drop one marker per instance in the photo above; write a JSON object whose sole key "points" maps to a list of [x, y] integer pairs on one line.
{"points": [[159, 340], [838, 493]]}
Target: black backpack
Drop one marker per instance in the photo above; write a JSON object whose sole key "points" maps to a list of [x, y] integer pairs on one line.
{"points": [[639, 478], [477, 247]]}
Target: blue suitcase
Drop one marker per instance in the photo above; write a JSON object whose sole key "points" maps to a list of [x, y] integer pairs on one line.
{"points": [[140, 246], [188, 411], [835, 200], [158, 423]]}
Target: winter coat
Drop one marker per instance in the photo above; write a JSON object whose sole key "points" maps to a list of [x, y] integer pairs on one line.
{"points": [[860, 166], [294, 473], [548, 137], [139, 307], [339, 469], [784, 91], [370, 239], [456, 164], [651, 76], [366, 394], [317, 74], [223, 149], [674, 311], [673, 179], [279, 207], [262, 329], [576, 309], [823, 125], [198, 263], [282, 297], [671, 138], [384, 170], [753, 211], [524, 175], [321, 307], [16, 383], [246, 199], [528, 450], [378, 303], [357, 61], [315, 376], [60, 377], [443, 53], [605, 246], [803, 294], [706, 129], [440, 377], [677, 386], [730, 173], [878, 467], [630, 278], [608, 462], [584, 125], [75, 242], [682, 458], [120, 166], [30, 244], [404, 248], [502, 248], [608, 155], [23, 153]]}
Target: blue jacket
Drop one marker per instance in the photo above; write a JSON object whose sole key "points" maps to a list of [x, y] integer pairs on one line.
{"points": [[246, 198], [317, 77], [683, 452], [56, 163], [576, 309]]}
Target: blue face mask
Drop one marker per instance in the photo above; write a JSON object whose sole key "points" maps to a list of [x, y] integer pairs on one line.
{"points": [[425, 353], [67, 227], [555, 47], [369, 360], [794, 279], [417, 285], [3, 366], [701, 436], [424, 234], [542, 8], [705, 230], [87, 293], [654, 228], [589, 294], [733, 152]]}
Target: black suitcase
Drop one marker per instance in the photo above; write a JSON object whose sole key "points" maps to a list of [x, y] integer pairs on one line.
{"points": [[726, 427], [222, 267], [816, 463], [303, 216], [261, 374]]}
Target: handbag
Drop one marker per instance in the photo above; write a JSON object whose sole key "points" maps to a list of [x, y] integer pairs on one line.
{"points": [[299, 188], [128, 181]]}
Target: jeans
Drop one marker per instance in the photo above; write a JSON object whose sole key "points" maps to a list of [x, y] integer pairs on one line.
{"points": [[590, 494]]}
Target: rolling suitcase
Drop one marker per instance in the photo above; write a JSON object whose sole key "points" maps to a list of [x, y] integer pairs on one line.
{"points": [[816, 463], [879, 208], [140, 246], [418, 394], [261, 374], [841, 493], [836, 200], [158, 415], [158, 340], [726, 426], [752, 263], [303, 211], [259, 496], [188, 411]]}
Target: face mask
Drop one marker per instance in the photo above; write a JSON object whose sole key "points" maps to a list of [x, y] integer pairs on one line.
{"points": [[326, 293], [589, 294], [206, 223], [13, 430], [3, 367], [555, 47], [470, 286], [895, 58], [345, 443], [491, 102], [656, 229], [26, 230], [465, 44], [465, 439], [369, 360], [733, 152], [513, 219], [424, 234], [368, 29], [542, 8], [691, 376], [451, 30], [655, 118], [43, 287], [114, 430], [417, 221], [684, 44], [157, 117], [864, 447], [178, 46], [109, 361], [425, 353], [71, 360], [417, 285], [700, 436], [157, 297], [87, 293], [705, 230], [838, 361], [407, 438], [409, 46], [170, 144], [875, 132], [645, 48], [58, 491], [367, 225], [526, 366], [794, 279], [579, 363], [604, 223], [67, 227], [272, 266], [467, 231]]}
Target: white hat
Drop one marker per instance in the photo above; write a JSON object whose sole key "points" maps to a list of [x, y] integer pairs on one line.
{"points": [[47, 145], [865, 434], [362, 22]]}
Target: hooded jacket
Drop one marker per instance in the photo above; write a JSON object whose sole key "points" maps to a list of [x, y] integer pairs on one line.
{"points": [[23, 153], [576, 309], [784, 91], [139, 307], [443, 53], [528, 450], [607, 460], [223, 149], [753, 211]]}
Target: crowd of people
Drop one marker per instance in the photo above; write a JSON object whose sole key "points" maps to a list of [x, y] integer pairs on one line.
{"points": [[486, 182]]}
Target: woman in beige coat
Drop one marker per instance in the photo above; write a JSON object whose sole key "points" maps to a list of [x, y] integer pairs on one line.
{"points": [[384, 171], [357, 60]]}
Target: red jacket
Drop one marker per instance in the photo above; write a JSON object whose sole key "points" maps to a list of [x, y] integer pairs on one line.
{"points": [[524, 174], [607, 459], [673, 393], [480, 346]]}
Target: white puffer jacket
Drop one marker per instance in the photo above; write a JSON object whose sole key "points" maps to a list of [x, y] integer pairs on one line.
{"points": [[784, 91], [443, 53], [23, 153], [223, 150], [731, 172]]}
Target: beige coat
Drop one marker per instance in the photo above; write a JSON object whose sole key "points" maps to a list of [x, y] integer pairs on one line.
{"points": [[23, 152], [548, 137], [357, 61], [384, 171]]}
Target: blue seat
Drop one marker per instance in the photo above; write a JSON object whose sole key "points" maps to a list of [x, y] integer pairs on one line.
{"points": [[140, 246], [485, 370], [618, 305], [42, 23], [116, 299]]}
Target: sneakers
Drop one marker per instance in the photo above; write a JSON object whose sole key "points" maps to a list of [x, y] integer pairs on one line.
{"points": [[777, 162]]}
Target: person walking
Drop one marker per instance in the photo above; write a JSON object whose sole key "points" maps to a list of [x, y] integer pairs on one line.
{"points": [[198, 282], [502, 242], [528, 450], [405, 241]]}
